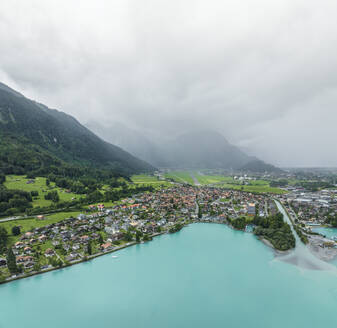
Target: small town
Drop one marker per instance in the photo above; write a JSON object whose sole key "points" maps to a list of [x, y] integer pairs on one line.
{"points": [[139, 218]]}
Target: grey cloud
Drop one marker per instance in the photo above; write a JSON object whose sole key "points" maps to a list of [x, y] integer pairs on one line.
{"points": [[261, 72]]}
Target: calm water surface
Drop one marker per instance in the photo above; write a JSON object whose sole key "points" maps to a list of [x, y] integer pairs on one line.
{"points": [[206, 275], [330, 233]]}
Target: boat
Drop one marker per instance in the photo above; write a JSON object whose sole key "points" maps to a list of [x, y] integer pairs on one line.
{"points": [[114, 256]]}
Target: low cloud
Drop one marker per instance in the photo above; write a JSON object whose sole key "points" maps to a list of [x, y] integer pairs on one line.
{"points": [[262, 73]]}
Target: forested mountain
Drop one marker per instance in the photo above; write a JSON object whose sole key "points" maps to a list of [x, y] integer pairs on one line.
{"points": [[36, 139]]}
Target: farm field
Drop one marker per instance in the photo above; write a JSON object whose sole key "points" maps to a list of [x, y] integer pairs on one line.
{"points": [[20, 182], [254, 188], [180, 176], [211, 179], [149, 180]]}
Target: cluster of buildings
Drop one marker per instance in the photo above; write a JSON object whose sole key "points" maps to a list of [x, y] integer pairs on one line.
{"points": [[311, 208], [144, 214]]}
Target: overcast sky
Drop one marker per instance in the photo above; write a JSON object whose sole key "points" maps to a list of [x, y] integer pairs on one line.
{"points": [[262, 72]]}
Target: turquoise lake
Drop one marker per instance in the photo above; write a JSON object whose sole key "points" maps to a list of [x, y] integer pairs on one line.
{"points": [[330, 233], [206, 275]]}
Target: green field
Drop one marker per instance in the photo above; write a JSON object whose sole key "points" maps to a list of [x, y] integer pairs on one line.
{"points": [[211, 179], [254, 188], [180, 176], [20, 182], [145, 179]]}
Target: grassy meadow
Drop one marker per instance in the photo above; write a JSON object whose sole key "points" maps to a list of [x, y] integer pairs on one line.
{"points": [[20, 182], [180, 177], [151, 180]]}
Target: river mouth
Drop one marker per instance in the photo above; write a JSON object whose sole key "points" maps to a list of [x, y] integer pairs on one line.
{"points": [[305, 263], [301, 256]]}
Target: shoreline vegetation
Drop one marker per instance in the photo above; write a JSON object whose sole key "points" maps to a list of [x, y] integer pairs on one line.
{"points": [[272, 228]]}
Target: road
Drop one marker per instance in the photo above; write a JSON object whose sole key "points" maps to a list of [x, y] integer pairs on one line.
{"points": [[195, 180]]}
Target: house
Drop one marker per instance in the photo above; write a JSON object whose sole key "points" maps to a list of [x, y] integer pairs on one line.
{"points": [[251, 209], [27, 250], [72, 257], [81, 217], [134, 224], [19, 244], [23, 259], [42, 238], [40, 217], [3, 262], [100, 207], [28, 264], [108, 220], [76, 247], [106, 246], [84, 239], [27, 235], [49, 252]]}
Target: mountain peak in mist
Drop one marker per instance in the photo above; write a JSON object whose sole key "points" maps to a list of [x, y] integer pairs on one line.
{"points": [[191, 149]]}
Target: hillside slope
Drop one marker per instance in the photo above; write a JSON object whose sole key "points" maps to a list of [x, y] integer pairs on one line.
{"points": [[32, 137]]}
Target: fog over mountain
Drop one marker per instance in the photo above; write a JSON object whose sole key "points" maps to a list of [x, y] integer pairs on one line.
{"points": [[262, 73], [199, 149]]}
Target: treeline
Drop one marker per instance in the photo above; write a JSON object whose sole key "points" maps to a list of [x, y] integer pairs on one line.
{"points": [[14, 201], [177, 227], [239, 223], [301, 235], [53, 196], [275, 230], [332, 219], [314, 185], [279, 183]]}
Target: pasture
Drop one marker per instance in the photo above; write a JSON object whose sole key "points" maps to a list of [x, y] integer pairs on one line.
{"points": [[21, 182]]}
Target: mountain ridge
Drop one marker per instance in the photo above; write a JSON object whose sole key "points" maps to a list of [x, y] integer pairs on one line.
{"points": [[53, 136], [192, 149]]}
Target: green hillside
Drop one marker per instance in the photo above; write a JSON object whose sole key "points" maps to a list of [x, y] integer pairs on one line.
{"points": [[39, 140]]}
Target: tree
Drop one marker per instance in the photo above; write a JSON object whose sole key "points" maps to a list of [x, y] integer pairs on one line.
{"points": [[47, 182], [3, 238], [11, 261], [53, 196], [200, 212], [37, 267], [138, 236], [34, 193], [127, 236], [146, 237], [16, 231], [89, 248], [100, 239]]}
